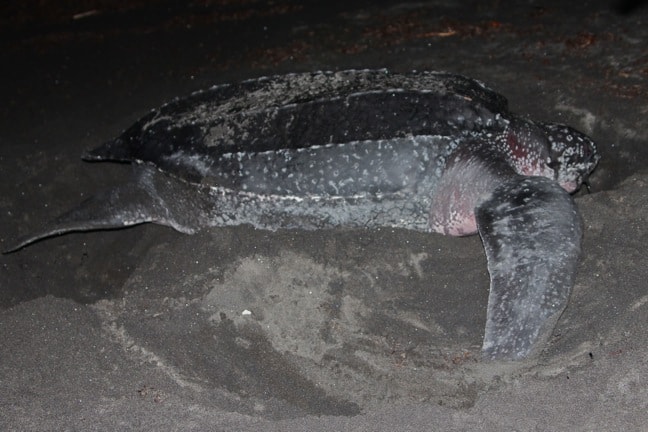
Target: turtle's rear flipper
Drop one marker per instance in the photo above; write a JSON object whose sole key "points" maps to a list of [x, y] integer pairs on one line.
{"points": [[532, 234], [150, 197]]}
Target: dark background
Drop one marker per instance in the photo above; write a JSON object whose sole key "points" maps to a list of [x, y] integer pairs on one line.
{"points": [[111, 330]]}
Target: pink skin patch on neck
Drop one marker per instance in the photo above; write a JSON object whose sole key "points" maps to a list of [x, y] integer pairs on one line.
{"points": [[525, 158]]}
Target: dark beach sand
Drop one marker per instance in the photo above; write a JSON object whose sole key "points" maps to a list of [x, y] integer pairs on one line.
{"points": [[143, 328]]}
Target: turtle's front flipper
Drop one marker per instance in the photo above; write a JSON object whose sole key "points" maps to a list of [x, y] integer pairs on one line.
{"points": [[150, 197], [532, 232]]}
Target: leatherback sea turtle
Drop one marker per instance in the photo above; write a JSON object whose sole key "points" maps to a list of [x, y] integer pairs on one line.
{"points": [[425, 151]]}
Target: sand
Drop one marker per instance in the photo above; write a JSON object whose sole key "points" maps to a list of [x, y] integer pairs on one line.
{"points": [[240, 329]]}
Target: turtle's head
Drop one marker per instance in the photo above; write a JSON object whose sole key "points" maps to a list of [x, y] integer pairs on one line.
{"points": [[573, 155]]}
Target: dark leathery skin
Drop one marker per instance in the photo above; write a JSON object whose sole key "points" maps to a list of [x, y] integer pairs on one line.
{"points": [[424, 151]]}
